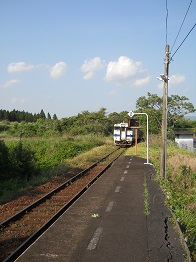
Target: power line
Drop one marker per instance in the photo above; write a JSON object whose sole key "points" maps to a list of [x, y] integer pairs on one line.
{"points": [[166, 20], [181, 25], [182, 42]]}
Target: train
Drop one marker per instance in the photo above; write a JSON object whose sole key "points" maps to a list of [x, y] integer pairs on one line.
{"points": [[125, 135]]}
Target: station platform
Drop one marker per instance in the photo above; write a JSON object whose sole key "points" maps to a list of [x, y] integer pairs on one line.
{"points": [[108, 223]]}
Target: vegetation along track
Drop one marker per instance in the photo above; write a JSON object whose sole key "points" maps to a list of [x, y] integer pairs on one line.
{"points": [[22, 229]]}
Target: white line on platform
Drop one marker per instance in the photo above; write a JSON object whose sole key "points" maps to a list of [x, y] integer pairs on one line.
{"points": [[122, 178], [125, 172], [117, 189], [110, 206], [95, 239], [127, 166]]}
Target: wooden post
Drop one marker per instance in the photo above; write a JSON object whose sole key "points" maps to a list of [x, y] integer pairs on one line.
{"points": [[164, 116], [136, 147]]}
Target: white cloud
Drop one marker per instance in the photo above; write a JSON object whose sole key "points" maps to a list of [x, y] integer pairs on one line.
{"points": [[123, 69], [88, 75], [176, 79], [142, 81], [10, 83], [90, 66], [19, 67], [58, 70], [173, 80]]}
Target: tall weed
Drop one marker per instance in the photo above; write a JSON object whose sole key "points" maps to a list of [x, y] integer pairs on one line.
{"points": [[179, 187], [37, 160]]}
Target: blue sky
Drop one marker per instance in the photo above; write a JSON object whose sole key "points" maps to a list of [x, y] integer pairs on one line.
{"points": [[68, 56]]}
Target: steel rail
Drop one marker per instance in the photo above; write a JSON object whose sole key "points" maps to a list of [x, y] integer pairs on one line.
{"points": [[12, 257], [27, 209]]}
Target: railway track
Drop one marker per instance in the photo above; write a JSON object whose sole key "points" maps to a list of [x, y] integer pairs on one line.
{"points": [[23, 228]]}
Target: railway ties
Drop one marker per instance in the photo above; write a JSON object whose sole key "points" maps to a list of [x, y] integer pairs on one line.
{"points": [[105, 225], [42, 213]]}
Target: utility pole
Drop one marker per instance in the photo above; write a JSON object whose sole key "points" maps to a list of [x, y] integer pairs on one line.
{"points": [[164, 115]]}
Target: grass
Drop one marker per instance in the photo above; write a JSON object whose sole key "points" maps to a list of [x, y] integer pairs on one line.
{"points": [[146, 203], [179, 187], [53, 160], [87, 158]]}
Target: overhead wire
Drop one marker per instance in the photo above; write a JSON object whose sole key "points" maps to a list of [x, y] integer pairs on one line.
{"points": [[166, 20], [181, 24], [182, 42]]}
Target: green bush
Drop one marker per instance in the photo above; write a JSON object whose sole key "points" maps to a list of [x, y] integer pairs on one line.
{"points": [[33, 159]]}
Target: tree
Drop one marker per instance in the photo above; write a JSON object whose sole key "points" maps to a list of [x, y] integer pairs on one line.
{"points": [[151, 102], [177, 108], [13, 116], [55, 117], [23, 160], [42, 114], [49, 116], [5, 163]]}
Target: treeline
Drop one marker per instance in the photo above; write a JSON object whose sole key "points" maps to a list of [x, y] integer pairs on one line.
{"points": [[24, 124], [19, 116], [99, 123]]}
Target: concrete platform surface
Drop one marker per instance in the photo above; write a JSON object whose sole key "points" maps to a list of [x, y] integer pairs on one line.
{"points": [[108, 223]]}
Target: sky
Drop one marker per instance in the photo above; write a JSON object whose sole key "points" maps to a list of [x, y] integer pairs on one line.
{"points": [[70, 56]]}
